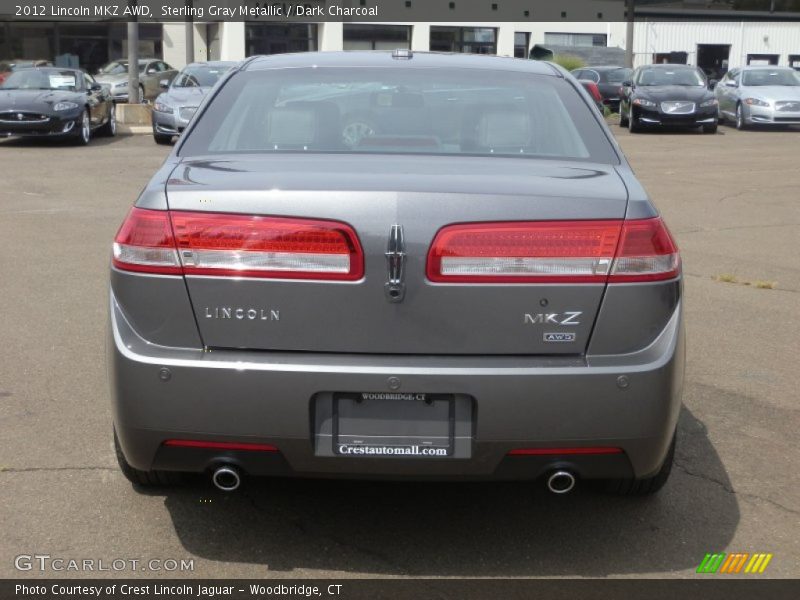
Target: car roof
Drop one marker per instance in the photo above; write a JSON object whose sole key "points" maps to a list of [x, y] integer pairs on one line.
{"points": [[770, 67], [213, 63], [385, 59], [668, 66], [603, 68]]}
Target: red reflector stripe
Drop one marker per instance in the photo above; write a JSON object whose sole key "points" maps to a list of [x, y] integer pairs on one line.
{"points": [[221, 445], [561, 451]]}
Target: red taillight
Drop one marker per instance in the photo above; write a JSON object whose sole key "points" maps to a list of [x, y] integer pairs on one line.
{"points": [[243, 246], [562, 451], [145, 243], [595, 92], [221, 445], [523, 252], [553, 251], [646, 252]]}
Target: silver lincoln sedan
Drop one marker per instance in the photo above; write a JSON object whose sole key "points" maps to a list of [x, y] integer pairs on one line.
{"points": [[759, 96], [473, 287]]}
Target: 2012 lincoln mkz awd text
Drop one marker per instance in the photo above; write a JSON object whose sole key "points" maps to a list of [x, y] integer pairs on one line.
{"points": [[396, 265]]}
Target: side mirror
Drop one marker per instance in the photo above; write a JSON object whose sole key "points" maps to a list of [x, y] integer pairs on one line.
{"points": [[95, 87], [151, 70], [627, 84], [163, 84], [731, 84], [712, 83]]}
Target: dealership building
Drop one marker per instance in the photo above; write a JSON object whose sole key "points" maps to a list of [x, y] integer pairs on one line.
{"points": [[713, 40]]}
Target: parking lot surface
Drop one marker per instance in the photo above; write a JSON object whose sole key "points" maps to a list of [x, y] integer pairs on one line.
{"points": [[732, 202]]}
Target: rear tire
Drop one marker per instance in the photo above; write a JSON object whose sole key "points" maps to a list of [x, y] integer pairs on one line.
{"points": [[623, 121], [110, 128], [647, 485], [144, 478]]}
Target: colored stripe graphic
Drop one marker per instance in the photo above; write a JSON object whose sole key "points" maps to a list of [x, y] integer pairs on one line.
{"points": [[734, 562], [720, 562], [711, 563], [758, 563]]}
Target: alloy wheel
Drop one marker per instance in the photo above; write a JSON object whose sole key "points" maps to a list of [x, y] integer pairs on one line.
{"points": [[85, 128]]}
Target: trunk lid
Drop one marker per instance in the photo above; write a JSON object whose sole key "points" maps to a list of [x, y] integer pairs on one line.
{"points": [[373, 193]]}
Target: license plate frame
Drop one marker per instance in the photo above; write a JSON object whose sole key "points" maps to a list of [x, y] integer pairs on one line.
{"points": [[396, 425]]}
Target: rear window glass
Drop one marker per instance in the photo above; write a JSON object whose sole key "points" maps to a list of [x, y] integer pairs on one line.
{"points": [[618, 75], [402, 111]]}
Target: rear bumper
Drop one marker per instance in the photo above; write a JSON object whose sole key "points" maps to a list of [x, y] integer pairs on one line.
{"points": [[161, 393]]}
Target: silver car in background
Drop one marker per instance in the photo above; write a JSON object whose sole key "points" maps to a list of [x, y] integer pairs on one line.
{"points": [[175, 107], [759, 96], [152, 71], [477, 287]]}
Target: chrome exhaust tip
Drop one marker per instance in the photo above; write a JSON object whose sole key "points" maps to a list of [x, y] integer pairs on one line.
{"points": [[561, 482], [226, 478]]}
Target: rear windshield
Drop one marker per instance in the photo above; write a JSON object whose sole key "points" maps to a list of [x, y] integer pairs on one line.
{"points": [[400, 111], [618, 75]]}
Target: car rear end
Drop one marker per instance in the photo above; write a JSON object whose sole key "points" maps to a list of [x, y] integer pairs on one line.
{"points": [[491, 296], [610, 85]]}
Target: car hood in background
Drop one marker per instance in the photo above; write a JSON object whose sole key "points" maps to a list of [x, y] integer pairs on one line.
{"points": [[191, 96], [112, 79], [674, 92], [36, 100], [773, 92]]}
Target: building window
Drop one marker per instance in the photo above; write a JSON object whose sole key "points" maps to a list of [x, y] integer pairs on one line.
{"points": [[522, 42], [672, 58], [85, 45], [576, 39], [470, 40], [268, 38], [794, 61], [376, 37], [762, 59]]}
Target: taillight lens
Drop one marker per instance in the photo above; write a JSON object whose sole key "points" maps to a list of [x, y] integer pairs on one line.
{"points": [[553, 252], [145, 243], [595, 92], [521, 252], [646, 252], [246, 246], [253, 246]]}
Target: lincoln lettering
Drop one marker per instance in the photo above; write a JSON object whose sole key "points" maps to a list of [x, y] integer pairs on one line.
{"points": [[242, 313]]}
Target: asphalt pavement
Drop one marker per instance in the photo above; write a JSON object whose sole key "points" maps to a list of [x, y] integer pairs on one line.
{"points": [[732, 201]]}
